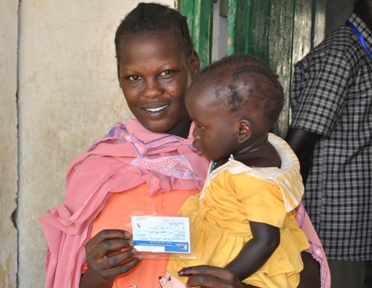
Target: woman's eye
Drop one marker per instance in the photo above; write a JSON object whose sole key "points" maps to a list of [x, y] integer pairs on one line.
{"points": [[166, 72], [200, 127], [133, 77]]}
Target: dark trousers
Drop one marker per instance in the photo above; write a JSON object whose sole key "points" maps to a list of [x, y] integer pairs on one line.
{"points": [[350, 274]]}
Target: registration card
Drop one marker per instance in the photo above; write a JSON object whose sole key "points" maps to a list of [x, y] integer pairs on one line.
{"points": [[161, 234]]}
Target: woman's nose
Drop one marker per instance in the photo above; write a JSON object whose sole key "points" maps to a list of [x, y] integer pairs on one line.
{"points": [[152, 88]]}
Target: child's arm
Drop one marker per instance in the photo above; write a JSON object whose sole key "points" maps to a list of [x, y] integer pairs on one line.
{"points": [[256, 251]]}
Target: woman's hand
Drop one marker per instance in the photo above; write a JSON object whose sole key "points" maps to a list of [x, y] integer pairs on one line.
{"points": [[210, 276], [109, 254]]}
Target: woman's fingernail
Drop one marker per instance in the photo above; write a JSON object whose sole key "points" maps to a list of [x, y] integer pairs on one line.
{"points": [[127, 234], [131, 243], [134, 251]]}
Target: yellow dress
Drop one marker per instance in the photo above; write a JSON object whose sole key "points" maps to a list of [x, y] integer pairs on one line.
{"points": [[235, 194]]}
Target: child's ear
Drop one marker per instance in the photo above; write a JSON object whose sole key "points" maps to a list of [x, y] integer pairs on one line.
{"points": [[244, 131]]}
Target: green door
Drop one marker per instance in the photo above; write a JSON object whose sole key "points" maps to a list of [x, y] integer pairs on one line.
{"points": [[281, 32]]}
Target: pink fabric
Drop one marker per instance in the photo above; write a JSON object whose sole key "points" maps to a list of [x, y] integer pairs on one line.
{"points": [[105, 169], [316, 248]]}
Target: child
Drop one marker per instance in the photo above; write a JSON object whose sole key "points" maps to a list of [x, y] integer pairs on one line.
{"points": [[244, 217]]}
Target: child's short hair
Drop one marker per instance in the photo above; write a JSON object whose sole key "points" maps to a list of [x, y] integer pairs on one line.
{"points": [[151, 18], [231, 72]]}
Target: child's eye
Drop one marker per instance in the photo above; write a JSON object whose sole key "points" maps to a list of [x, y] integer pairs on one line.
{"points": [[166, 72], [134, 78]]}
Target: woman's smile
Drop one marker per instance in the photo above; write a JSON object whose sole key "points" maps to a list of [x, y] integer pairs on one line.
{"points": [[156, 110]]}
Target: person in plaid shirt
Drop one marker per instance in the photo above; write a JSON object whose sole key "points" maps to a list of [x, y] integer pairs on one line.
{"points": [[331, 133]]}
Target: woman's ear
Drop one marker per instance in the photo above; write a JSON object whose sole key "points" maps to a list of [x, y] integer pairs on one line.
{"points": [[194, 64], [244, 131]]}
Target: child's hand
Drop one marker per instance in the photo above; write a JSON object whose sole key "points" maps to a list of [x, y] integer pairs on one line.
{"points": [[210, 276]]}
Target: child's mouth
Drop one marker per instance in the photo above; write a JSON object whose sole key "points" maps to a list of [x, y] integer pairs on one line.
{"points": [[198, 151]]}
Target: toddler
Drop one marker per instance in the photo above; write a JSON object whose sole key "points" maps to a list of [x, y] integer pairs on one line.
{"points": [[244, 217]]}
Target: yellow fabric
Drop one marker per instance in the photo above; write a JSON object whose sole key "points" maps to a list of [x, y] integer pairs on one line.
{"points": [[232, 196], [116, 215]]}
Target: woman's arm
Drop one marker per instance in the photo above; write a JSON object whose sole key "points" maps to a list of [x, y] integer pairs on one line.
{"points": [[210, 276], [109, 254], [253, 255], [256, 251]]}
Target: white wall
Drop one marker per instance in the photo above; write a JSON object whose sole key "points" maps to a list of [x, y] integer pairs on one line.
{"points": [[8, 141], [68, 96]]}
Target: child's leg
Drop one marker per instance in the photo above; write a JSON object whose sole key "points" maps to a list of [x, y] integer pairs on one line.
{"points": [[310, 275]]}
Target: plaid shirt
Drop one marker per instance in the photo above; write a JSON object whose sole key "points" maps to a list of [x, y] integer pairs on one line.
{"points": [[332, 96]]}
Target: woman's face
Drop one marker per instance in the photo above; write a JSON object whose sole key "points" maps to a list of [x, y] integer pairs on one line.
{"points": [[154, 74]]}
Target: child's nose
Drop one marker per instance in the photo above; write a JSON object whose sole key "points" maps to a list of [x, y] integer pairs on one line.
{"points": [[152, 88], [195, 132]]}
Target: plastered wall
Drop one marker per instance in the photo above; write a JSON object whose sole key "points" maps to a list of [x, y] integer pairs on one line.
{"points": [[8, 141], [68, 96]]}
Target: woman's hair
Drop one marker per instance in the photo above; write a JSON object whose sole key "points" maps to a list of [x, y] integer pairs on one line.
{"points": [[230, 76], [154, 19]]}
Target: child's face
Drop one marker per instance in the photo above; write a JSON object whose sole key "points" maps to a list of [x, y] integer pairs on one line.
{"points": [[215, 129], [154, 74]]}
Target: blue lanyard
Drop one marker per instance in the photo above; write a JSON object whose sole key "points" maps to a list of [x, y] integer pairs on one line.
{"points": [[360, 36]]}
